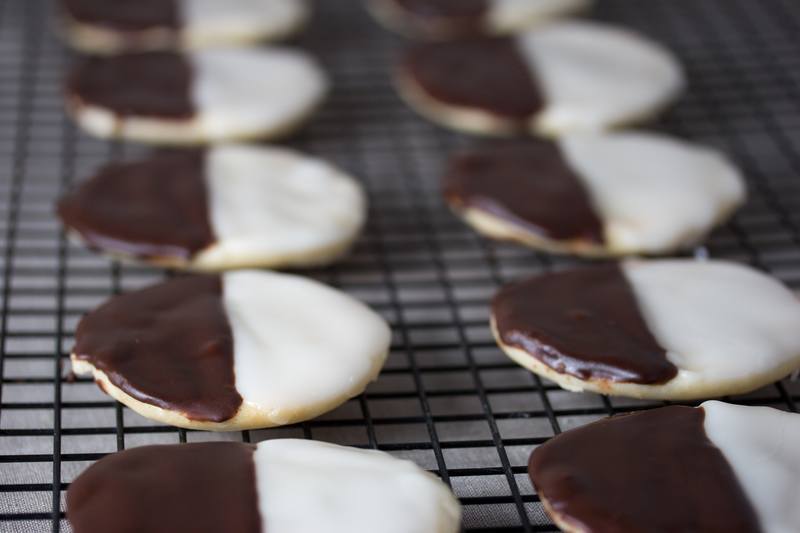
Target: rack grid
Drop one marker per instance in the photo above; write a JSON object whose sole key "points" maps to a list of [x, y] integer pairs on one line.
{"points": [[448, 399]]}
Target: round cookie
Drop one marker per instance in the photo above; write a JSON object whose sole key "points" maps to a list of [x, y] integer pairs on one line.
{"points": [[561, 78], [716, 468], [198, 97], [277, 486], [229, 206], [247, 349], [102, 27], [450, 19], [669, 329], [595, 195]]}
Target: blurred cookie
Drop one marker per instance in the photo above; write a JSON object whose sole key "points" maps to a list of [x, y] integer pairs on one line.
{"points": [[560, 78], [449, 19], [595, 195], [106, 27], [208, 96], [715, 468], [277, 486], [668, 329], [248, 349], [229, 206]]}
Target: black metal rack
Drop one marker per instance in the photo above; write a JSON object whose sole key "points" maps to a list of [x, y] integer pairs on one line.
{"points": [[448, 398]]}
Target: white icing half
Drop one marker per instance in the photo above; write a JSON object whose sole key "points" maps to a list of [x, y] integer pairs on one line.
{"points": [[595, 76], [653, 193], [309, 487], [206, 22], [300, 348], [246, 92], [762, 446], [509, 15], [273, 206], [721, 323]]}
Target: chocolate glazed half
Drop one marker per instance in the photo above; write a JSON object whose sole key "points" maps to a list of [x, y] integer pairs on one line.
{"points": [[203, 488], [654, 471], [485, 74], [156, 208], [169, 345], [584, 322], [124, 15], [149, 84], [527, 184]]}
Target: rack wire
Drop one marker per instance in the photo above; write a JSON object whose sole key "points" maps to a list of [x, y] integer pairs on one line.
{"points": [[448, 399]]}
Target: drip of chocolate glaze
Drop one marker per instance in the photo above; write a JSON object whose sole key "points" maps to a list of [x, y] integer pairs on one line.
{"points": [[151, 84], [124, 15], [155, 208], [652, 471], [169, 345], [530, 185], [487, 74], [203, 488], [584, 322]]}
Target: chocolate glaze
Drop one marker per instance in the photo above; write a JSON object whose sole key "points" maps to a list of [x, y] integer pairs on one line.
{"points": [[530, 185], [448, 17], [204, 487], [583, 322], [155, 208], [151, 84], [654, 471], [124, 15], [169, 345], [488, 74]]}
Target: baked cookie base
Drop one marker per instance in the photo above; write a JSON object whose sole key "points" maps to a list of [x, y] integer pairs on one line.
{"points": [[220, 262], [499, 229], [676, 389], [559, 520], [249, 415], [476, 121], [100, 40], [105, 124]]}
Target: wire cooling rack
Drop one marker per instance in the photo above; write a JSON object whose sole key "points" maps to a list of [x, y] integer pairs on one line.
{"points": [[448, 399]]}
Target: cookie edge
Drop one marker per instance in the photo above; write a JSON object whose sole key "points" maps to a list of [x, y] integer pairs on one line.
{"points": [[97, 39], [664, 391], [249, 416]]}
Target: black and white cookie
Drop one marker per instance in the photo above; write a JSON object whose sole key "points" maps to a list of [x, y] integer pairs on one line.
{"points": [[595, 195], [277, 486], [668, 329], [563, 77], [226, 207], [449, 19], [198, 97], [247, 349], [106, 27], [719, 468]]}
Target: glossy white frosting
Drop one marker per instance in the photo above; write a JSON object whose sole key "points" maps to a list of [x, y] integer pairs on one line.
{"points": [[273, 206], [309, 487], [238, 93], [241, 92], [721, 323], [594, 76], [215, 21], [762, 446], [653, 193], [300, 348]]}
